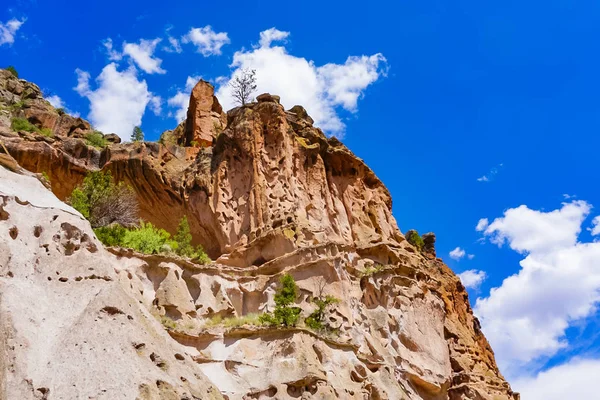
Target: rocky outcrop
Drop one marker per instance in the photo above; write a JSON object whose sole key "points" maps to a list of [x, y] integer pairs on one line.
{"points": [[273, 195]]}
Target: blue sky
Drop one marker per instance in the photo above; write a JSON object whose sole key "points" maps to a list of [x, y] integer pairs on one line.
{"points": [[433, 95]]}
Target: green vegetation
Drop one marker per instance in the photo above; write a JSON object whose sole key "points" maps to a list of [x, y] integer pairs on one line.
{"points": [[369, 270], [46, 132], [183, 240], [316, 320], [168, 322], [12, 70], [234, 322], [284, 313], [46, 176], [19, 124], [22, 124], [96, 139], [415, 239], [148, 239], [103, 202], [18, 105], [61, 111], [137, 135]]}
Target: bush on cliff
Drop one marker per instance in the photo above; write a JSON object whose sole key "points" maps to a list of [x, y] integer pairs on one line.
{"points": [[415, 239], [13, 71], [96, 139], [284, 314], [316, 320], [146, 238], [183, 239], [103, 202], [22, 124]]}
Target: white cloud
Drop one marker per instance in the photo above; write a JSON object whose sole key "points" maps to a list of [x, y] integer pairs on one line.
{"points": [[156, 104], [119, 101], [142, 54], [174, 46], [558, 284], [207, 41], [182, 99], [55, 101], [472, 278], [457, 254], [482, 224], [529, 230], [113, 55], [470, 256], [8, 31], [321, 90], [572, 380], [272, 35], [596, 226], [490, 175]]}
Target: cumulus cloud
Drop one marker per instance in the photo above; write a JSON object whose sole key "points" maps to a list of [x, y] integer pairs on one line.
{"points": [[557, 285], [571, 380], [457, 254], [142, 54], [181, 100], [55, 101], [320, 89], [482, 224], [272, 35], [490, 175], [113, 54], [174, 46], [119, 101], [8, 30], [596, 226], [472, 278], [207, 41]]}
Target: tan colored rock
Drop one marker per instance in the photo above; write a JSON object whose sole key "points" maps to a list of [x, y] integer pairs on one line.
{"points": [[71, 327]]}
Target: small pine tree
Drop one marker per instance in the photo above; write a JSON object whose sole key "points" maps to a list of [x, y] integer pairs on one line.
{"points": [[183, 237], [12, 70], [137, 135], [284, 313]]}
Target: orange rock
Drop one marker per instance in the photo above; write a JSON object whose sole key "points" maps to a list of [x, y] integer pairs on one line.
{"points": [[205, 119]]}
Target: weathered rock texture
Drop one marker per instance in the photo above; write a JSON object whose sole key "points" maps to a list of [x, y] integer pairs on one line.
{"points": [[270, 195]]}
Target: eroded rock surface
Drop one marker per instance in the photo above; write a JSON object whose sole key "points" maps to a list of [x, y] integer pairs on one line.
{"points": [[267, 195]]}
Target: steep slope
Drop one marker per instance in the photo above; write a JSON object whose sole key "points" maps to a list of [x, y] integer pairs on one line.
{"points": [[267, 193]]}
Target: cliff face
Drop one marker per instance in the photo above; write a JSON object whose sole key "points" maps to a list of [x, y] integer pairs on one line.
{"points": [[266, 193]]}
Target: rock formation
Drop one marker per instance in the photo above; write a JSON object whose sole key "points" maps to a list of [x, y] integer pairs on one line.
{"points": [[266, 193]]}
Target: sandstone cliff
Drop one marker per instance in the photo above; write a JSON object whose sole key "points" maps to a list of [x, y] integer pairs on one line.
{"points": [[266, 193]]}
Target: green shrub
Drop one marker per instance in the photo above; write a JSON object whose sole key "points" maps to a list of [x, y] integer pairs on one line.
{"points": [[96, 139], [183, 237], [284, 313], [61, 111], [316, 320], [415, 239], [103, 202], [46, 132], [12, 70], [112, 235], [18, 105], [22, 124], [147, 239]]}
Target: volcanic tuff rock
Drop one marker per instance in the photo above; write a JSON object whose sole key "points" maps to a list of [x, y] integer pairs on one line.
{"points": [[266, 193]]}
